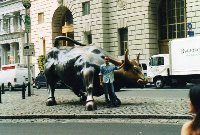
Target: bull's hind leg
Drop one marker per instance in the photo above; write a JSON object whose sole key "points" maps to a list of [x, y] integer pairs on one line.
{"points": [[88, 75], [51, 99]]}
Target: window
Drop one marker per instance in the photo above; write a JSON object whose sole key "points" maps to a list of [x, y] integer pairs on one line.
{"points": [[143, 66], [157, 61], [86, 8], [6, 25], [88, 37], [123, 35], [40, 18], [172, 19]]}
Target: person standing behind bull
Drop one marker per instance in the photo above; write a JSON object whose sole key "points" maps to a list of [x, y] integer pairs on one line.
{"points": [[106, 79]]}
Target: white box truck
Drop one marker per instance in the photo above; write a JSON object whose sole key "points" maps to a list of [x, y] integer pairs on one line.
{"points": [[180, 66], [13, 75]]}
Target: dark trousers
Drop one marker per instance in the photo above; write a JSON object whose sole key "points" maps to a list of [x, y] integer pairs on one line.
{"points": [[109, 90]]}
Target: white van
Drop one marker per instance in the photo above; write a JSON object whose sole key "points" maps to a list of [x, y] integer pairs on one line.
{"points": [[13, 75]]}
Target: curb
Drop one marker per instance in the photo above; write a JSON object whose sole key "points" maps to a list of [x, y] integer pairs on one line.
{"points": [[95, 116]]}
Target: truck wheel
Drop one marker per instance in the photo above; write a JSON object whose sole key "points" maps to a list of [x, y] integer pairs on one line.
{"points": [[37, 85], [159, 83], [182, 83]]}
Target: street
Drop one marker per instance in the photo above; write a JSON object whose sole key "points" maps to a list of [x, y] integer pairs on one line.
{"points": [[76, 128], [146, 101], [137, 101], [155, 93]]}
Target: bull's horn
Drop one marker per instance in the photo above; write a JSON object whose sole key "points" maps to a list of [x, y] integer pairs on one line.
{"points": [[126, 60], [138, 58], [136, 61], [58, 38], [115, 62]]}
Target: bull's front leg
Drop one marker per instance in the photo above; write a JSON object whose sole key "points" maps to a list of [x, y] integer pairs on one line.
{"points": [[88, 75], [51, 98]]}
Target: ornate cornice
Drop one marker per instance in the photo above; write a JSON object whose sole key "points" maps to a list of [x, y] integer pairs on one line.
{"points": [[11, 36]]}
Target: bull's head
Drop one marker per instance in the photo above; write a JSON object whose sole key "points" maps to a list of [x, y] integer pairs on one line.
{"points": [[130, 75]]}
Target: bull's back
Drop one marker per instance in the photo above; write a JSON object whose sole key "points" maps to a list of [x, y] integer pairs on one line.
{"points": [[68, 65]]}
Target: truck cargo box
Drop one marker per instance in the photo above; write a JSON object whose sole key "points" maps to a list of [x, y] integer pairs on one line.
{"points": [[185, 56]]}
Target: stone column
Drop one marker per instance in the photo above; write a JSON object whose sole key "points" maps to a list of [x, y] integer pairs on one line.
{"points": [[11, 25], [1, 25], [22, 17], [19, 27], [22, 57], [4, 55], [16, 60], [12, 53]]}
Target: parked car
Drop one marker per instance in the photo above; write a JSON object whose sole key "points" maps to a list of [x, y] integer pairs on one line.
{"points": [[40, 81]]}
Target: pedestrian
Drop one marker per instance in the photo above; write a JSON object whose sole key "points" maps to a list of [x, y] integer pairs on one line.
{"points": [[106, 80], [192, 127]]}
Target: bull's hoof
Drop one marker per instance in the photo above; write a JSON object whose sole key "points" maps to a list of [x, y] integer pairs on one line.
{"points": [[91, 106], [51, 102]]}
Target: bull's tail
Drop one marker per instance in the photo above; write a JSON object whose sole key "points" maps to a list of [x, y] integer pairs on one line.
{"points": [[58, 38]]}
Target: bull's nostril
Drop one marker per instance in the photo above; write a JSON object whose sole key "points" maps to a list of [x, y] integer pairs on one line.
{"points": [[142, 81]]}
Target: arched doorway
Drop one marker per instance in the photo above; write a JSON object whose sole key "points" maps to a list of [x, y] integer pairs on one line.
{"points": [[62, 24], [67, 27], [172, 22]]}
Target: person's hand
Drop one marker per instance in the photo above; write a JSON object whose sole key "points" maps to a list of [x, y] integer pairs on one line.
{"points": [[127, 51], [101, 83]]}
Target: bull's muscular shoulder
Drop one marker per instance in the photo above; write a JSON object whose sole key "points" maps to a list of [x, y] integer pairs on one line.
{"points": [[89, 56], [54, 52]]}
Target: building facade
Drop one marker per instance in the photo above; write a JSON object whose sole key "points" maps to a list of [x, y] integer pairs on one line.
{"points": [[11, 32], [142, 26]]}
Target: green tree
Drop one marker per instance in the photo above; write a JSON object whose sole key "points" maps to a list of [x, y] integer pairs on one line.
{"points": [[41, 62]]}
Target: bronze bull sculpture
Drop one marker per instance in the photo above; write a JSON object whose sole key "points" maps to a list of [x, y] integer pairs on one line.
{"points": [[78, 68]]}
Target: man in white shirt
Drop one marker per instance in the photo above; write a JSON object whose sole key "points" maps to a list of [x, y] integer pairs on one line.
{"points": [[106, 79]]}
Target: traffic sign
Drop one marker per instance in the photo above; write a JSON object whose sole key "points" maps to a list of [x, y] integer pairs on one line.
{"points": [[28, 49], [27, 23], [190, 33], [189, 25]]}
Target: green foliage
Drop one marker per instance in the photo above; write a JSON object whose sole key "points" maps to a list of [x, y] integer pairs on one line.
{"points": [[41, 62]]}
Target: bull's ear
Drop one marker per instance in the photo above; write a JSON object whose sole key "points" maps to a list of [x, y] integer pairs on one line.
{"points": [[115, 62]]}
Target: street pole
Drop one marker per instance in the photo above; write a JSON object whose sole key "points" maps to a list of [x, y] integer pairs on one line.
{"points": [[28, 57], [27, 5]]}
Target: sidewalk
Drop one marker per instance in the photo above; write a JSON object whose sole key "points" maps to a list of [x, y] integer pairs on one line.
{"points": [[69, 107]]}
